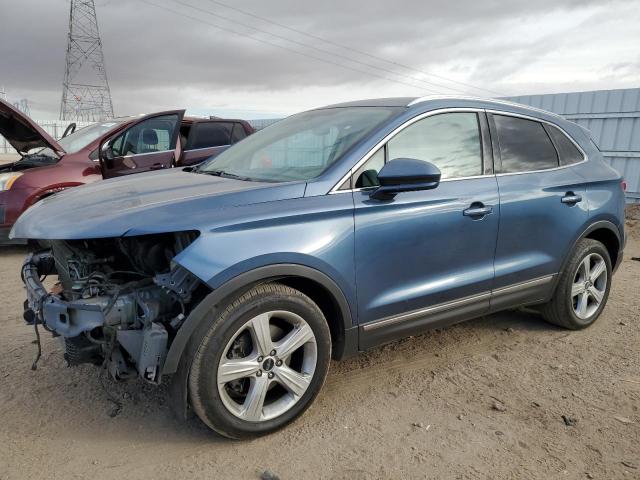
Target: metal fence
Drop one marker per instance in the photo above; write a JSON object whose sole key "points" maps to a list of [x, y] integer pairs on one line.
{"points": [[612, 116], [263, 122], [55, 128]]}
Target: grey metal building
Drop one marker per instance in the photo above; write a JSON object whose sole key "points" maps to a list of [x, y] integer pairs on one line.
{"points": [[612, 116]]}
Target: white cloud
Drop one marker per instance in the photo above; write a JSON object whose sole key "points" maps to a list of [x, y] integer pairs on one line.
{"points": [[158, 60]]}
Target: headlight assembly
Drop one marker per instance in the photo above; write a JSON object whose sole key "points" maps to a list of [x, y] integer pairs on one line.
{"points": [[8, 179]]}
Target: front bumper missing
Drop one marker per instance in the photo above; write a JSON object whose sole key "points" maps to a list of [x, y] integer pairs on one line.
{"points": [[64, 318], [145, 347]]}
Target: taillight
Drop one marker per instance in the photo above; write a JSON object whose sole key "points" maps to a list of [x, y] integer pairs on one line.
{"points": [[623, 185]]}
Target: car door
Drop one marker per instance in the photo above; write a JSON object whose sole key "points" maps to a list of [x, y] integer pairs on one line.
{"points": [[425, 258], [147, 144], [207, 139], [541, 207]]}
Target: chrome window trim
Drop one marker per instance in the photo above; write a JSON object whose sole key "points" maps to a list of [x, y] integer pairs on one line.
{"points": [[206, 148], [131, 155], [335, 189], [389, 136]]}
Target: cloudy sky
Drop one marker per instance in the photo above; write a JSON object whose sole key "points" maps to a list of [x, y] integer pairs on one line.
{"points": [[212, 59]]}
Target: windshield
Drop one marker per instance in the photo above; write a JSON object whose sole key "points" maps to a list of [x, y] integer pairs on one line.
{"points": [[299, 147], [81, 138]]}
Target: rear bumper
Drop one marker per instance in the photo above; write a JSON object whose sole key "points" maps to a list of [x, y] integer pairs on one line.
{"points": [[620, 252]]}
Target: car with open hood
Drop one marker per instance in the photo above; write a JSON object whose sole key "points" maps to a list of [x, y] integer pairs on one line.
{"points": [[327, 233], [116, 147]]}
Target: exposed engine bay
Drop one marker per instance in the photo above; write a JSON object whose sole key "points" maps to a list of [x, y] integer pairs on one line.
{"points": [[33, 160], [118, 302]]}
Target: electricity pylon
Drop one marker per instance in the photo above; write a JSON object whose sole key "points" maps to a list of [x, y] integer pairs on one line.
{"points": [[85, 90]]}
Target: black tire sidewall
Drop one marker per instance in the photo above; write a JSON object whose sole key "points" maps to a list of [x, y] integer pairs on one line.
{"points": [[220, 333], [586, 247]]}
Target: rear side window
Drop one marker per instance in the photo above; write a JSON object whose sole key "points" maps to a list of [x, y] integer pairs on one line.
{"points": [[569, 153], [209, 134], [524, 145]]}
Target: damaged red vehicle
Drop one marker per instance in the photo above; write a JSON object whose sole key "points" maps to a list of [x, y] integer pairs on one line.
{"points": [[129, 145]]}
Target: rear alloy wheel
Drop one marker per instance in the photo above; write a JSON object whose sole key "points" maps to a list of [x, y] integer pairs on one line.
{"points": [[270, 351], [583, 287], [589, 286]]}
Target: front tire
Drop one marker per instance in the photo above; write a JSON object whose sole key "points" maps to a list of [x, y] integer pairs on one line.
{"points": [[261, 363], [583, 287]]}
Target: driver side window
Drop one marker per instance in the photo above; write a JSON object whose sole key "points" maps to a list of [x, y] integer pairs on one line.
{"points": [[451, 141], [151, 135]]}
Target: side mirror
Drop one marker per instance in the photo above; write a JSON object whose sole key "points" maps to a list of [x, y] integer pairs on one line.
{"points": [[106, 153], [69, 130], [405, 175]]}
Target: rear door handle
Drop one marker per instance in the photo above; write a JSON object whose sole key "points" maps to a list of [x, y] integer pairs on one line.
{"points": [[157, 166], [571, 198], [477, 210]]}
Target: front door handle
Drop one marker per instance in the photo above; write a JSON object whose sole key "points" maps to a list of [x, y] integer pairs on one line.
{"points": [[476, 210], [157, 166], [571, 198]]}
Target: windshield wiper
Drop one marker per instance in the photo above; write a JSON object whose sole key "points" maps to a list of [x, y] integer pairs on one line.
{"points": [[222, 173]]}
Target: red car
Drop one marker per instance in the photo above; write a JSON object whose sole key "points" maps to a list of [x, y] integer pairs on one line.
{"points": [[121, 146]]}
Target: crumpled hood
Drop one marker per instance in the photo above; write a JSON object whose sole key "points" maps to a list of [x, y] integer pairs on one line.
{"points": [[157, 202], [23, 133]]}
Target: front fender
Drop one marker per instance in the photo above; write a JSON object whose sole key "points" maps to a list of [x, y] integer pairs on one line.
{"points": [[236, 286], [189, 336]]}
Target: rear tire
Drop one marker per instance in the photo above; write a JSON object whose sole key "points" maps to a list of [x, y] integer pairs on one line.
{"points": [[583, 287], [261, 363]]}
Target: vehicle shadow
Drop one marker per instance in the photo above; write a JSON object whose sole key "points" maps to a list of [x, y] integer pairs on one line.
{"points": [[11, 250], [83, 403]]}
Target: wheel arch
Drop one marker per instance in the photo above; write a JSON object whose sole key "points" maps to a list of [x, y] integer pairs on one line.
{"points": [[609, 239], [49, 190], [605, 232], [313, 283]]}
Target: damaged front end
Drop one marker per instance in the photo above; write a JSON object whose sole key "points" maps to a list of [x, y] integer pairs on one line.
{"points": [[118, 302]]}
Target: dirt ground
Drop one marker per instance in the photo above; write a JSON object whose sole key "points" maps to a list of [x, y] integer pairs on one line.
{"points": [[484, 399]]}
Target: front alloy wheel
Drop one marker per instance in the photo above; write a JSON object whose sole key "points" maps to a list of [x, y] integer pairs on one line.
{"points": [[261, 363], [275, 374]]}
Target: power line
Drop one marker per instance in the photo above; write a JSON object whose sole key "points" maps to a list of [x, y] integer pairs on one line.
{"points": [[346, 47], [321, 50], [266, 42]]}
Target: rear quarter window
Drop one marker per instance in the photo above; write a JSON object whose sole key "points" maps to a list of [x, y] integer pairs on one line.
{"points": [[569, 153]]}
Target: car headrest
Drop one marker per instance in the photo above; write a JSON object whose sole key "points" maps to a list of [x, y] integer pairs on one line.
{"points": [[149, 137]]}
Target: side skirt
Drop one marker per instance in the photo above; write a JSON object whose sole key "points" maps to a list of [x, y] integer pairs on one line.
{"points": [[442, 315]]}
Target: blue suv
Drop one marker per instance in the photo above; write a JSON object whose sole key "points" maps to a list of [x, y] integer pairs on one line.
{"points": [[327, 233]]}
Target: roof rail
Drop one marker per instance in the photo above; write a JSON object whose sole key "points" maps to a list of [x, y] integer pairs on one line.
{"points": [[485, 99]]}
